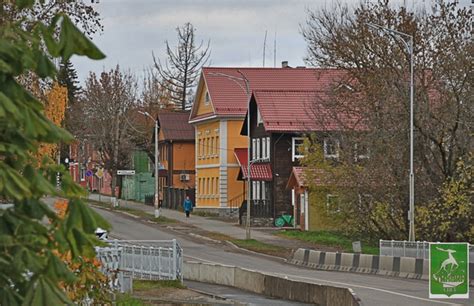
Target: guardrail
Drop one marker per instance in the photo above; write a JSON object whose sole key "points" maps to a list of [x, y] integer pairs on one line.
{"points": [[141, 259], [415, 249]]}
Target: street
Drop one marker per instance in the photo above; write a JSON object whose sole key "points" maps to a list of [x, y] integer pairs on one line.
{"points": [[372, 290]]}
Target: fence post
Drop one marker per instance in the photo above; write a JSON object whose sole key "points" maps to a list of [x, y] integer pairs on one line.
{"points": [[174, 259]]}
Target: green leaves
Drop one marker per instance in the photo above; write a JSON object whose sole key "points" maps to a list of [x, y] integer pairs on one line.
{"points": [[74, 42], [38, 249]]}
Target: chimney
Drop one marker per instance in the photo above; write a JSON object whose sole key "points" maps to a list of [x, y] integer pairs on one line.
{"points": [[284, 64]]}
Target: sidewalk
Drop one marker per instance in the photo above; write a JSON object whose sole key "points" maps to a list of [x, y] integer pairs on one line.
{"points": [[205, 223]]}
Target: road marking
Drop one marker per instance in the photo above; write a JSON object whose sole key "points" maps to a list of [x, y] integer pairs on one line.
{"points": [[366, 287]]}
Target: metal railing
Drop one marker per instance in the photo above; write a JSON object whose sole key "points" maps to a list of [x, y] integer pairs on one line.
{"points": [[416, 249], [141, 259]]}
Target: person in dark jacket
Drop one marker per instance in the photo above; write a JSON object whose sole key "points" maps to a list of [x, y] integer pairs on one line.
{"points": [[188, 206]]}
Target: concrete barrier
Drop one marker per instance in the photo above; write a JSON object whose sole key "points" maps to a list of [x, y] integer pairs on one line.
{"points": [[269, 285], [406, 267], [249, 280]]}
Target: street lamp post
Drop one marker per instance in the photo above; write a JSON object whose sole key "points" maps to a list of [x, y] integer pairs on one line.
{"points": [[408, 42], [238, 81], [157, 163]]}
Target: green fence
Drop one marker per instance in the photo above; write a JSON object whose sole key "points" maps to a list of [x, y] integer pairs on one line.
{"points": [[136, 187]]}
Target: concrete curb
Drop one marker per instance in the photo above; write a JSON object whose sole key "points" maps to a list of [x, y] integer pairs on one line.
{"points": [[405, 267], [269, 285]]}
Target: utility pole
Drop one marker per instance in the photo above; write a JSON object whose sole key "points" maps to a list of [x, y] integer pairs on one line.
{"points": [[407, 40], [157, 165]]}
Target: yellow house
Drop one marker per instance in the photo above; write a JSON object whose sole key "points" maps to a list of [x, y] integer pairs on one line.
{"points": [[218, 113], [217, 129]]}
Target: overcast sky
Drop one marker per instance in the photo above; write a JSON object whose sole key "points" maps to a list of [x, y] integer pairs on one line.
{"points": [[133, 29]]}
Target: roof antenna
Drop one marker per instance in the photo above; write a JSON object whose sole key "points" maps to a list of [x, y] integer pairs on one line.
{"points": [[275, 50], [264, 45]]}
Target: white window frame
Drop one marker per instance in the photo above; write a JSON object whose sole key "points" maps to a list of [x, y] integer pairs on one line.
{"points": [[264, 148], [258, 149], [267, 139], [264, 189], [254, 148], [258, 190], [358, 156], [325, 148], [82, 174], [295, 155]]}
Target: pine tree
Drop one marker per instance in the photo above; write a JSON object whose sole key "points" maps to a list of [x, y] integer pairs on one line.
{"points": [[67, 76]]}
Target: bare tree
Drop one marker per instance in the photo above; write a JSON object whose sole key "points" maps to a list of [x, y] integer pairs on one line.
{"points": [[181, 69], [375, 89], [104, 110]]}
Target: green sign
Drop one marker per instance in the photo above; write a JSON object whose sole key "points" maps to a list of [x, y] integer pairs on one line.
{"points": [[449, 270]]}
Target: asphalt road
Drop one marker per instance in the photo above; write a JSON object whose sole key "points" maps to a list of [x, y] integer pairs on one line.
{"points": [[372, 290]]}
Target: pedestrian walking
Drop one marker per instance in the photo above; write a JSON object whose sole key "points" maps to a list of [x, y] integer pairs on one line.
{"points": [[188, 206]]}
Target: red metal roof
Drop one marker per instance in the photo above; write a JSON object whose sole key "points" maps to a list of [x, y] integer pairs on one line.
{"points": [[175, 126], [298, 176], [299, 111], [229, 99], [259, 171]]}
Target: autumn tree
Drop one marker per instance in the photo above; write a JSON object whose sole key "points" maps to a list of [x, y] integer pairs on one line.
{"points": [[33, 238], [179, 73], [54, 110], [106, 104], [375, 89]]}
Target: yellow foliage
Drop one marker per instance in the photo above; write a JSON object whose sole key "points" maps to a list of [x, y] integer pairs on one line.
{"points": [[90, 281], [55, 110]]}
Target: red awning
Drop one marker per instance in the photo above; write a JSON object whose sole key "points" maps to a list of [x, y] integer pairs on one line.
{"points": [[259, 171]]}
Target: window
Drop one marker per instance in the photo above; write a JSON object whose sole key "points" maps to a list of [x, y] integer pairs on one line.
{"points": [[217, 146], [257, 188], [83, 173], [211, 187], [207, 98], [259, 117], [297, 151], [212, 146], [361, 151], [293, 197], [264, 148], [331, 148], [199, 148], [268, 147], [264, 190], [258, 148], [217, 185], [254, 147], [332, 203], [206, 146]]}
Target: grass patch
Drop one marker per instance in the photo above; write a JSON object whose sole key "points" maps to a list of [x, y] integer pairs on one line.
{"points": [[163, 220], [143, 285], [331, 239], [217, 236], [127, 299], [260, 247]]}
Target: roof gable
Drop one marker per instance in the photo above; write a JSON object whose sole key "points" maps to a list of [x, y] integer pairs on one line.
{"points": [[300, 111], [175, 126], [229, 97]]}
